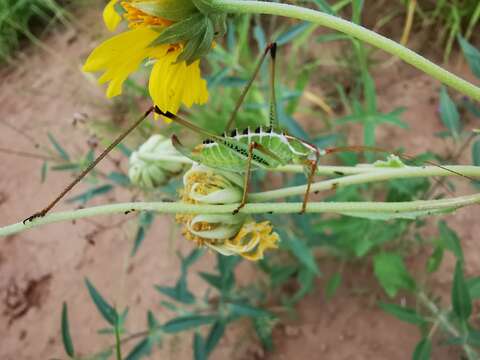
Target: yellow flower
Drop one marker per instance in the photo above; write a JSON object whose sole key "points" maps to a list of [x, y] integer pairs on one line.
{"points": [[250, 242], [171, 84], [226, 233]]}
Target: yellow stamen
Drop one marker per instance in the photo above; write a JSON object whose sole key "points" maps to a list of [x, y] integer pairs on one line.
{"points": [[137, 18]]}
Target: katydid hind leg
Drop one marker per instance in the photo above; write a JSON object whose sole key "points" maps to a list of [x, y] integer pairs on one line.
{"points": [[246, 182], [90, 167], [313, 169]]}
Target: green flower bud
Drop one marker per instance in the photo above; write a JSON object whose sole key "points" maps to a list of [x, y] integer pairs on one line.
{"points": [[147, 172]]}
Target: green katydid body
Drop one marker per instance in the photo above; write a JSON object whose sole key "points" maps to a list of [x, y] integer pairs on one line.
{"points": [[231, 152]]}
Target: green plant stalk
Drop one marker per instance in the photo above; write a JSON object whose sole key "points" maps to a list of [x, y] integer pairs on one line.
{"points": [[446, 324], [352, 208], [349, 28], [381, 174]]}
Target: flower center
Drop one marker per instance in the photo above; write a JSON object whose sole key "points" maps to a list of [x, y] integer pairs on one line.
{"points": [[137, 18]]}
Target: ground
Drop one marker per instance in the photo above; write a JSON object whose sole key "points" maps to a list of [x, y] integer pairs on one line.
{"points": [[42, 268]]}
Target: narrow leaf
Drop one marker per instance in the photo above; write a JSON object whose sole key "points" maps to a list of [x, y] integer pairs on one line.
{"points": [[461, 302], [67, 339], [60, 150], [449, 113], [434, 261], [107, 311], [450, 240], [187, 322], [90, 194], [216, 333], [473, 285], [199, 352], [423, 350], [472, 55], [238, 309], [142, 349], [403, 313], [303, 253], [333, 284], [476, 153]]}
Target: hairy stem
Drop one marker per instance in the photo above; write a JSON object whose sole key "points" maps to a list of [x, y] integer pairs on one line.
{"points": [[357, 31], [381, 174], [445, 323], [396, 209]]}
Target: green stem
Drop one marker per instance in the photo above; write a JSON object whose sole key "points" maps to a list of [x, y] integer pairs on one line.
{"points": [[351, 208], [357, 31], [381, 174], [446, 324]]}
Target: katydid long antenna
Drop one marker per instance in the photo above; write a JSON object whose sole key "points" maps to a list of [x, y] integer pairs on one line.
{"points": [[359, 149], [90, 167], [272, 49]]}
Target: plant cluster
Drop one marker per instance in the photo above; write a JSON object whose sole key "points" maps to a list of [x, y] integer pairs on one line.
{"points": [[169, 39]]}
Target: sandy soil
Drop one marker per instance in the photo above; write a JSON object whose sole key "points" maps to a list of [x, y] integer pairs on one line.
{"points": [[40, 269]]}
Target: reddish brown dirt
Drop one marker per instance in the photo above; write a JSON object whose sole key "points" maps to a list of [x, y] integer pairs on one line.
{"points": [[39, 269]]}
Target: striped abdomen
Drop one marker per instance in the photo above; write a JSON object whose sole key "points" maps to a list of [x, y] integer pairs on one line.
{"points": [[231, 152]]}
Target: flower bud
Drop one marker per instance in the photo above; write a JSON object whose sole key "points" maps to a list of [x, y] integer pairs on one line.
{"points": [[145, 170]]}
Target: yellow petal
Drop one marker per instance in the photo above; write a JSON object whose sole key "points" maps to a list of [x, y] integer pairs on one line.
{"points": [[121, 55], [110, 16], [172, 84]]}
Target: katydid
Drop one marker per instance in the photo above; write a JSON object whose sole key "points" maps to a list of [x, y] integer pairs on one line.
{"points": [[242, 150]]}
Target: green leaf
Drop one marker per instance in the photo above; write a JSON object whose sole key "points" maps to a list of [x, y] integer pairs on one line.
{"points": [[333, 284], [449, 113], [476, 153], [66, 167], [43, 172], [423, 350], [142, 349], [181, 31], [61, 151], [199, 352], [238, 309], [67, 339], [185, 297], [472, 55], [216, 333], [187, 322], [107, 311], [403, 313], [264, 327], [434, 261], [325, 7], [473, 285], [145, 220], [292, 33], [303, 253], [390, 271], [90, 194], [119, 178], [212, 279], [461, 301], [153, 323], [450, 240]]}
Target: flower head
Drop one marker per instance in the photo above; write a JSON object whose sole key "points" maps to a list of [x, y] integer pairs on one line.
{"points": [[170, 35], [146, 170], [226, 233]]}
